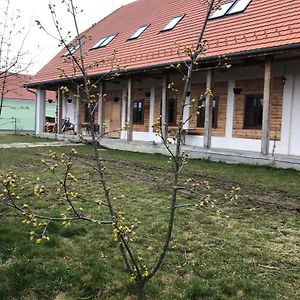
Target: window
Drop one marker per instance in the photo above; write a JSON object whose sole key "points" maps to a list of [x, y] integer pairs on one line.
{"points": [[172, 111], [222, 10], [138, 112], [87, 114], [253, 111], [104, 41], [72, 50], [173, 23], [230, 8], [139, 32], [201, 116], [239, 6]]}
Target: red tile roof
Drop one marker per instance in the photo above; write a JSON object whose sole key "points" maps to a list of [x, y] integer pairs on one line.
{"points": [[264, 24], [14, 87]]}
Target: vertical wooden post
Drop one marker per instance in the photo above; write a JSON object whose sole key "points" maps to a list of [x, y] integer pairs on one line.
{"points": [[123, 112], [164, 99], [265, 138], [208, 110], [59, 110], [100, 108], [129, 110]]}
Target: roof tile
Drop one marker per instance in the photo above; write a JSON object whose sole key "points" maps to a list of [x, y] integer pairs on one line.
{"points": [[264, 24]]}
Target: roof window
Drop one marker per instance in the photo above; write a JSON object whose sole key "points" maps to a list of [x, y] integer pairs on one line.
{"points": [[221, 10], [239, 6], [138, 32], [173, 23], [104, 41], [72, 49], [230, 8]]}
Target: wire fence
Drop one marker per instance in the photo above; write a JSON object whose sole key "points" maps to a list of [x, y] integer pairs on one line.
{"points": [[10, 123]]}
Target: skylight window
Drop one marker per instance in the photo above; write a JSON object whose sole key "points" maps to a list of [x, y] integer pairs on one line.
{"points": [[104, 41], [222, 10], [239, 6], [172, 23], [139, 32], [72, 49]]}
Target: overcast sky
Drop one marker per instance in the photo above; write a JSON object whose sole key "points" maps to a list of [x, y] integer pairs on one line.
{"points": [[41, 46]]}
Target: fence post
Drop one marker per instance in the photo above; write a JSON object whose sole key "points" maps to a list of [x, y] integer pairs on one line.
{"points": [[15, 122]]}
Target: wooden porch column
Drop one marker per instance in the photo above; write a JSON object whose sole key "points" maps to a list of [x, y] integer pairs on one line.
{"points": [[40, 111], [59, 110], [129, 110], [208, 110], [164, 96], [265, 138], [123, 113], [100, 108]]}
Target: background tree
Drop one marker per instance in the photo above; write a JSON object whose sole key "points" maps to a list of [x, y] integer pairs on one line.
{"points": [[13, 56]]}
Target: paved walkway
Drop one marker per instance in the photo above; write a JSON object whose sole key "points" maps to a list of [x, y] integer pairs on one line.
{"points": [[34, 145]]}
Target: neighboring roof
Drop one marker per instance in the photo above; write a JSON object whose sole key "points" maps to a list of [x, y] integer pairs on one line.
{"points": [[264, 25], [14, 87]]}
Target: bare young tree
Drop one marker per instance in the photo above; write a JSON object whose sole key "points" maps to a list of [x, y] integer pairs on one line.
{"points": [[135, 266], [13, 56]]}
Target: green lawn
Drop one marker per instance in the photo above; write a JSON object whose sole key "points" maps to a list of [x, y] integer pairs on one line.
{"points": [[252, 254], [12, 138]]}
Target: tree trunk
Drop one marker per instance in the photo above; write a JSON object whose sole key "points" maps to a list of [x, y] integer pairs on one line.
{"points": [[141, 292]]}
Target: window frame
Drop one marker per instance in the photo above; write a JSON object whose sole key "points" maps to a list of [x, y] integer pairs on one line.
{"points": [[103, 41], [166, 29], [258, 123], [138, 122], [174, 122], [86, 115], [215, 112], [73, 49], [231, 3], [133, 37], [228, 13]]}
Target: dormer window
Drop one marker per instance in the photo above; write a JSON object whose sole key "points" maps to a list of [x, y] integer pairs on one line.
{"points": [[173, 23], [138, 32], [104, 41]]}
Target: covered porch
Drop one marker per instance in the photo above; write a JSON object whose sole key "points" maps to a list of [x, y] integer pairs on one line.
{"points": [[253, 109]]}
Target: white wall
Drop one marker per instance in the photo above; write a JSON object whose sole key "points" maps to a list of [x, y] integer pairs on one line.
{"points": [[294, 106], [69, 110]]}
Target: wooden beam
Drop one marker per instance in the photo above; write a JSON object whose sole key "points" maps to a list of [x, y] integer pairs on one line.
{"points": [[208, 110], [164, 99], [265, 137], [129, 110]]}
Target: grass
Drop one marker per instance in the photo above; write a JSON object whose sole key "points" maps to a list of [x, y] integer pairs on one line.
{"points": [[253, 254], [12, 138]]}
